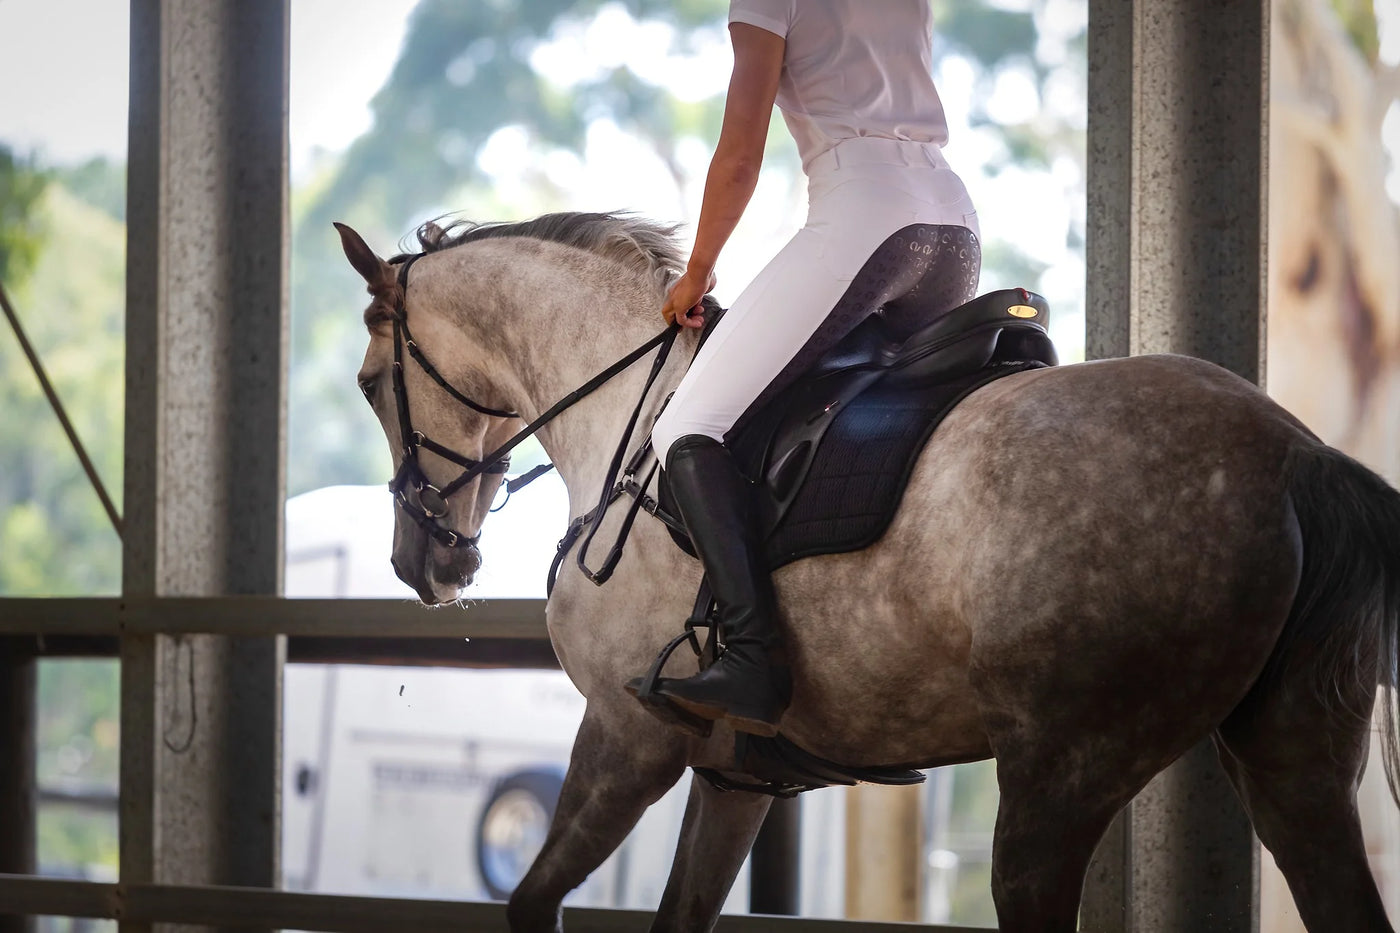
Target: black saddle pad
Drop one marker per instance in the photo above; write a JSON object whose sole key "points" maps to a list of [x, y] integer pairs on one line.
{"points": [[859, 471]]}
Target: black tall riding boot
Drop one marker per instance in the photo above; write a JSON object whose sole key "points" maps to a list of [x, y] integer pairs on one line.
{"points": [[750, 685]]}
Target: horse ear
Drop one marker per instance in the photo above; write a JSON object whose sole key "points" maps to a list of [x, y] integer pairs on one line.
{"points": [[371, 267]]}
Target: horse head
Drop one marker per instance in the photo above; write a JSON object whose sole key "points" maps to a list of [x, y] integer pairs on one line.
{"points": [[423, 387]]}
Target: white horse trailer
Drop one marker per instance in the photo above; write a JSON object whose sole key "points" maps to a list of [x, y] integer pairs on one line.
{"points": [[437, 782]]}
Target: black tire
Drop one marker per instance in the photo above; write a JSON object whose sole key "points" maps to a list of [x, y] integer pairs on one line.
{"points": [[528, 796]]}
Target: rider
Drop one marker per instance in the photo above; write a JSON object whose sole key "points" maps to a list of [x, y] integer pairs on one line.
{"points": [[853, 79]]}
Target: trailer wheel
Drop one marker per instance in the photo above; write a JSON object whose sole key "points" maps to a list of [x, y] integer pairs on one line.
{"points": [[512, 828]]}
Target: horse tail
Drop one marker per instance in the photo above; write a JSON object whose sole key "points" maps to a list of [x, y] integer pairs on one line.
{"points": [[1344, 626]]}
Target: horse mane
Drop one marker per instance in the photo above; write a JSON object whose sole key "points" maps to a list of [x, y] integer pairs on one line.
{"points": [[646, 247]]}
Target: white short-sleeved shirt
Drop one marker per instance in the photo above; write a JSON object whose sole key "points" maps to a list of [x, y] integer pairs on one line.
{"points": [[852, 68]]}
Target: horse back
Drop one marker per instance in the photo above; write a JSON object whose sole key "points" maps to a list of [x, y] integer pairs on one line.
{"points": [[1074, 541]]}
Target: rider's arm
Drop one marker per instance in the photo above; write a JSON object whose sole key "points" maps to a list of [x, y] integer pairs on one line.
{"points": [[748, 106]]}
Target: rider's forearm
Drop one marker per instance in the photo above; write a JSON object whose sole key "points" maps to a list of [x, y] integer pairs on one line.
{"points": [[728, 187], [733, 175]]}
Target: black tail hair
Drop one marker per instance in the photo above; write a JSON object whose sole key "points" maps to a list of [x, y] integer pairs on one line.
{"points": [[1345, 622]]}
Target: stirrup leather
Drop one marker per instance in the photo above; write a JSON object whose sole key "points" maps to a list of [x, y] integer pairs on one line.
{"points": [[644, 687]]}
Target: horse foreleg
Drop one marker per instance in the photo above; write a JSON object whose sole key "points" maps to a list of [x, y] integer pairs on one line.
{"points": [[717, 833], [622, 762]]}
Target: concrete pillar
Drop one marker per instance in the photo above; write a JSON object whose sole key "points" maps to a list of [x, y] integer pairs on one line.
{"points": [[18, 796], [1175, 257], [205, 434]]}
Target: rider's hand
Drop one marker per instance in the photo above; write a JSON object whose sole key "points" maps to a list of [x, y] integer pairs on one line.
{"points": [[683, 300]]}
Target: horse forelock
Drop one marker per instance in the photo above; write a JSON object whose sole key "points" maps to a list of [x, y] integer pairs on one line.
{"points": [[645, 247], [383, 308]]}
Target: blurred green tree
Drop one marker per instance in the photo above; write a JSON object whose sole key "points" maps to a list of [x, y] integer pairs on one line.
{"points": [[62, 250], [62, 255], [21, 184]]}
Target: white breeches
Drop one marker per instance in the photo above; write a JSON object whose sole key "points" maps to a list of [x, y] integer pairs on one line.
{"points": [[858, 195]]}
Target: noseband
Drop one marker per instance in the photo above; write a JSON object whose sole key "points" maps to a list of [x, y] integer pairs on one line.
{"points": [[429, 503]]}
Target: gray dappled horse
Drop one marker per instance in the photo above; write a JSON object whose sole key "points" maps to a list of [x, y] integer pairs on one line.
{"points": [[1093, 568]]}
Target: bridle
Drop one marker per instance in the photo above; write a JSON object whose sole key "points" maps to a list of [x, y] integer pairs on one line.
{"points": [[429, 503]]}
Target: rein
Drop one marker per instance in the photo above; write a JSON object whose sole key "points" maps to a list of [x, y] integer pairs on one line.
{"points": [[431, 503]]}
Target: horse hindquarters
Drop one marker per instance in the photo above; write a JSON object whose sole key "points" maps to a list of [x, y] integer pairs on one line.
{"points": [[1296, 746]]}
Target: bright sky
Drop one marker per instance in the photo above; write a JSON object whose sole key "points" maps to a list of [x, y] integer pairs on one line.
{"points": [[343, 51], [63, 65]]}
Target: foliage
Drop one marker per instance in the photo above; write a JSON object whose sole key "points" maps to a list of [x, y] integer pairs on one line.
{"points": [[99, 183], [972, 814], [1358, 18], [78, 751], [55, 538], [21, 232], [78, 723], [75, 840], [988, 34]]}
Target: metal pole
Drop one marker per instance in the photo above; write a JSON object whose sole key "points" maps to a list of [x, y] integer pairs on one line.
{"points": [[18, 670], [52, 395], [775, 869]]}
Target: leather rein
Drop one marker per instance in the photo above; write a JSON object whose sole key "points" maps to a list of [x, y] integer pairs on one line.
{"points": [[429, 503]]}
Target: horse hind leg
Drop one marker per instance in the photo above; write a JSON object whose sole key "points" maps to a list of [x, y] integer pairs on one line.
{"points": [[1296, 762], [622, 763], [717, 833], [1296, 745]]}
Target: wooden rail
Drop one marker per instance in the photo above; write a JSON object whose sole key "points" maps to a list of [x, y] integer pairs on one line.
{"points": [[271, 615], [268, 909]]}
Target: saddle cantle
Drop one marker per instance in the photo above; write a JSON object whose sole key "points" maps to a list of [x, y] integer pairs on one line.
{"points": [[831, 450]]}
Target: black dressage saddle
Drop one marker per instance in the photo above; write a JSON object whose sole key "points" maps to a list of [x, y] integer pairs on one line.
{"points": [[830, 445]]}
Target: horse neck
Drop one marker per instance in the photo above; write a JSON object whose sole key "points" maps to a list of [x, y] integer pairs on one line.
{"points": [[560, 330]]}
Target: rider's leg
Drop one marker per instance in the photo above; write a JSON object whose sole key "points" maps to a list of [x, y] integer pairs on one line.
{"points": [[750, 684], [749, 346]]}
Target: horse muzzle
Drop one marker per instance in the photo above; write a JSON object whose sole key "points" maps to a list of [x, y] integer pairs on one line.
{"points": [[436, 572]]}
